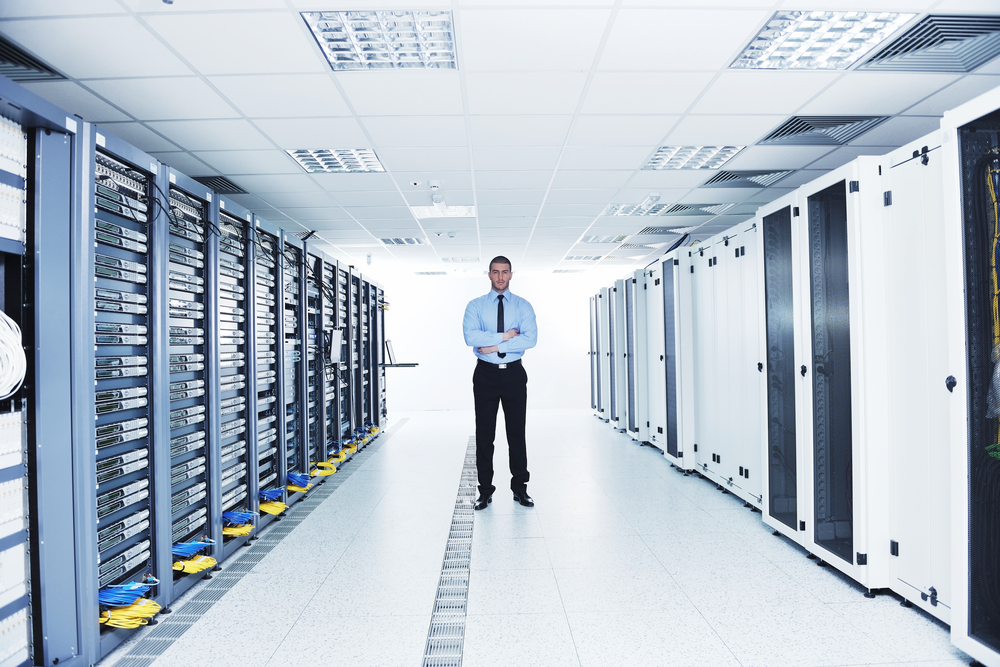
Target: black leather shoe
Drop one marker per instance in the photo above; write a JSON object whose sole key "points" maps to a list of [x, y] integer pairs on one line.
{"points": [[523, 498], [483, 501]]}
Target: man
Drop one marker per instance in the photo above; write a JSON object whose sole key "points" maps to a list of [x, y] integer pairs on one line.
{"points": [[500, 327]]}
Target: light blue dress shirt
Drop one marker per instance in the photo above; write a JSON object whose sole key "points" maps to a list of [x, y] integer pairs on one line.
{"points": [[480, 326]]}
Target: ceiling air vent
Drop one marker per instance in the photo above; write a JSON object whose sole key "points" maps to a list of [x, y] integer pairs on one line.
{"points": [[745, 179], [611, 238], [17, 65], [665, 230], [404, 241], [431, 273], [698, 209], [221, 185], [941, 43], [583, 258], [822, 130]]}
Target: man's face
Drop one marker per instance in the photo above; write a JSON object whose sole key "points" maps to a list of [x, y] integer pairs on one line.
{"points": [[500, 276]]}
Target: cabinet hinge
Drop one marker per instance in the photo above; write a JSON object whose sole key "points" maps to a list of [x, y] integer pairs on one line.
{"points": [[854, 186], [887, 198], [862, 559], [893, 548]]}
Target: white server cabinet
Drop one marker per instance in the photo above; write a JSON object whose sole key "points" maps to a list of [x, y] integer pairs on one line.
{"points": [[706, 384], [917, 356], [780, 336], [619, 357], [595, 382], [680, 359], [606, 397], [842, 369], [971, 166], [745, 374], [637, 423], [656, 370]]}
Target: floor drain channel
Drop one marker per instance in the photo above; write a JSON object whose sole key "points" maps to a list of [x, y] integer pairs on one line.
{"points": [[446, 635]]}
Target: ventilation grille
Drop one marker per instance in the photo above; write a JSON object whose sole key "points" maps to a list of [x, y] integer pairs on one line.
{"points": [[583, 258], [221, 185], [431, 273], [610, 238], [698, 209], [638, 246], [404, 241], [622, 260], [459, 259], [940, 43], [568, 271], [822, 130], [745, 179], [666, 230], [17, 65], [304, 235]]}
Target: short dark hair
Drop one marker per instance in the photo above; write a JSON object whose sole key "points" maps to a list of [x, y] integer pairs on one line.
{"points": [[500, 259]]}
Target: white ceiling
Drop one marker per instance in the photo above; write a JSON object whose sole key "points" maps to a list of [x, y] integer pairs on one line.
{"points": [[549, 118]]}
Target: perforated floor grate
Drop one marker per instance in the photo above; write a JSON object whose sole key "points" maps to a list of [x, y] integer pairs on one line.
{"points": [[170, 627], [446, 635]]}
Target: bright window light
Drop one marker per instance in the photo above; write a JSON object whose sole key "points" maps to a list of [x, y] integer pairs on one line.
{"points": [[385, 39], [444, 211], [337, 160], [818, 40], [692, 157]]}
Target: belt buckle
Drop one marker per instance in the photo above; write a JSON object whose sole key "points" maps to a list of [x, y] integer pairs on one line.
{"points": [[502, 366]]}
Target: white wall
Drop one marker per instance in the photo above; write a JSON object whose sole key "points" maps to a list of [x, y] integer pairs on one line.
{"points": [[424, 323]]}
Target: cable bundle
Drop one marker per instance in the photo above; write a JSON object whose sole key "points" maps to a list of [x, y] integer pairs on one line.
{"points": [[188, 549], [324, 469], [13, 364], [270, 494], [136, 614], [298, 479], [122, 595], [240, 523], [273, 507], [239, 518], [241, 530], [196, 564]]}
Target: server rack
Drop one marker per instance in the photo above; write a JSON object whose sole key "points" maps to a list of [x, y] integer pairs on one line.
{"points": [[345, 318], [637, 424], [295, 381], [595, 358], [315, 385], [606, 396], [678, 412], [655, 362], [619, 358], [970, 148], [231, 285], [269, 341], [328, 367], [356, 360], [367, 311], [382, 408]]}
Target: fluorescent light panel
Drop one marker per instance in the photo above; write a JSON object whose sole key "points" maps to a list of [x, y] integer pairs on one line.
{"points": [[404, 241], [444, 211], [818, 40], [691, 157], [337, 160], [611, 238], [385, 39]]}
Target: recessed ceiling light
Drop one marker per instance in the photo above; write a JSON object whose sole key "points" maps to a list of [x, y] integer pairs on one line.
{"points": [[818, 40], [611, 238], [385, 39], [444, 211], [692, 157], [404, 241], [337, 160]]}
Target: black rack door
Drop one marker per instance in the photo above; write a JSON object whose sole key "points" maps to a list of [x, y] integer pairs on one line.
{"points": [[267, 307]]}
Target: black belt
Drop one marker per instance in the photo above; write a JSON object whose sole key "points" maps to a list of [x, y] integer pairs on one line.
{"points": [[509, 364]]}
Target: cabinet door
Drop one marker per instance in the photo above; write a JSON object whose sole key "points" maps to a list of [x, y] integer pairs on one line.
{"points": [[728, 328], [750, 455], [670, 353], [655, 355], [706, 413], [630, 344]]}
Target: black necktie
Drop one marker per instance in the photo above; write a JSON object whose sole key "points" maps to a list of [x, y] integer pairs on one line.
{"points": [[500, 321]]}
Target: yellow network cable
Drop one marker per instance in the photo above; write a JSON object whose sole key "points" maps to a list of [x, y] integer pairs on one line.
{"points": [[136, 614], [327, 469], [352, 448], [298, 489], [196, 564], [273, 507], [340, 457], [241, 530]]}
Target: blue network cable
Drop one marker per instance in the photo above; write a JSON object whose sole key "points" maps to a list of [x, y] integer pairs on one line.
{"points": [[189, 549], [299, 479], [271, 494], [122, 595], [239, 518]]}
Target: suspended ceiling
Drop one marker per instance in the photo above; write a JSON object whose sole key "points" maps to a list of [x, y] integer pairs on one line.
{"points": [[547, 121]]}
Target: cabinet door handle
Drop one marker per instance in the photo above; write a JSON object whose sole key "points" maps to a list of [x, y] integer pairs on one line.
{"points": [[803, 370], [951, 383], [661, 357], [760, 367]]}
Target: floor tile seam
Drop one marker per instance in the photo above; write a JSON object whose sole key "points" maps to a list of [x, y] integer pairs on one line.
{"points": [[562, 603]]}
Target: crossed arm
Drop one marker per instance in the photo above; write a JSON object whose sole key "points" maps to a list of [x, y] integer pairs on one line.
{"points": [[513, 340]]}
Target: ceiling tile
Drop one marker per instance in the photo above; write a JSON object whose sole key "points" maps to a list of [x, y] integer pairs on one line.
{"points": [[898, 131], [636, 195], [680, 39], [377, 212], [166, 98], [842, 156], [283, 95], [620, 130], [139, 136], [185, 163], [498, 158], [546, 39], [574, 222], [581, 196], [738, 130], [762, 91], [250, 162], [800, 177], [501, 180], [403, 92], [352, 182], [314, 132], [887, 93], [329, 213], [516, 130], [492, 211], [670, 178], [393, 225], [416, 131], [411, 159], [86, 47], [957, 93], [26, 8], [75, 99], [231, 42], [524, 92], [590, 179], [718, 196], [566, 210], [618, 92], [298, 199], [158, 6], [774, 157], [524, 221], [451, 197], [277, 183], [449, 180], [376, 198], [207, 135], [524, 196], [605, 157]]}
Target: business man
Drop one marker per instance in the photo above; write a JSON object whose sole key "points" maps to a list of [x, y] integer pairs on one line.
{"points": [[499, 327]]}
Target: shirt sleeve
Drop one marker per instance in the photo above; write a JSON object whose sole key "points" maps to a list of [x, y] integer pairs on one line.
{"points": [[474, 335], [528, 336]]}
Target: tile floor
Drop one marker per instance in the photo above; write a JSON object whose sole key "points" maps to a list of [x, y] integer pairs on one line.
{"points": [[623, 561]]}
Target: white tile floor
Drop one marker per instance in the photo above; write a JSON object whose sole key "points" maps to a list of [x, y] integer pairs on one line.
{"points": [[623, 561]]}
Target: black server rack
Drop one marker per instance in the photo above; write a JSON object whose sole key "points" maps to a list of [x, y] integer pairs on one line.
{"points": [[357, 377], [194, 367], [378, 359], [315, 388], [269, 327], [294, 376], [344, 368], [235, 377], [127, 254], [329, 355], [367, 369]]}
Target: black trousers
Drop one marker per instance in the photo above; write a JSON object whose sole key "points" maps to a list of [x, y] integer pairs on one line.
{"points": [[492, 386]]}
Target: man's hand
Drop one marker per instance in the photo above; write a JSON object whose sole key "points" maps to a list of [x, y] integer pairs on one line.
{"points": [[489, 350], [510, 334]]}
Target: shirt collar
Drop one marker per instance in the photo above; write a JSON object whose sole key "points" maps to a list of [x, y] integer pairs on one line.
{"points": [[494, 294]]}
